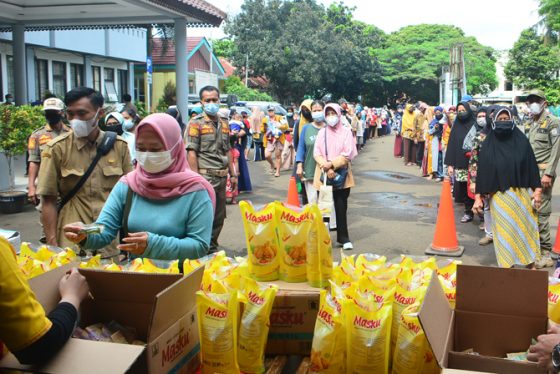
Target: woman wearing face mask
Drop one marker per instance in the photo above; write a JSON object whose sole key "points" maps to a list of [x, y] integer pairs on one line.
{"points": [[131, 119], [507, 169], [409, 135], [468, 143], [435, 130], [456, 159], [113, 122], [304, 119], [334, 150], [305, 162], [171, 210]]}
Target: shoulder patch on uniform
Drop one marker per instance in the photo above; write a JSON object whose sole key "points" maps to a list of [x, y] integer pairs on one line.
{"points": [[32, 143], [59, 138], [194, 130], [554, 131]]}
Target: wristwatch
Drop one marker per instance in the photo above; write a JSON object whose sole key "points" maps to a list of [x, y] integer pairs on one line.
{"points": [[556, 357]]}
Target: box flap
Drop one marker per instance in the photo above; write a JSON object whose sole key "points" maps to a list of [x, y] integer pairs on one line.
{"points": [[125, 297], [436, 318], [45, 286], [174, 302], [502, 291], [84, 357]]}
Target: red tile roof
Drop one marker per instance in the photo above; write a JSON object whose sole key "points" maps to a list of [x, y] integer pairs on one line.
{"points": [[229, 69], [159, 58]]}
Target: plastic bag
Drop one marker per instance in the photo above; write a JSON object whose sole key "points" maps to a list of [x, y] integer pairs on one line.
{"points": [[413, 354], [328, 350], [254, 325], [368, 333], [217, 326], [293, 228], [262, 241], [319, 252], [553, 296]]}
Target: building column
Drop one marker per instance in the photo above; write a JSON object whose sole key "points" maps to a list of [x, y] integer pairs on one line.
{"points": [[31, 74], [20, 78], [130, 87], [88, 72], [181, 66]]}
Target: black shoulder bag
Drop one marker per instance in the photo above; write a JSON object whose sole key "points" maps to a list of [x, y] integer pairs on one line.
{"points": [[104, 147]]}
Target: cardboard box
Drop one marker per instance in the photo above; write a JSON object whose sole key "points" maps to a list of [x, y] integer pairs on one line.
{"points": [[161, 307], [292, 321], [498, 311]]}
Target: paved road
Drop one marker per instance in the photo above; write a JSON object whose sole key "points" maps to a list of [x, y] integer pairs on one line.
{"points": [[392, 210]]}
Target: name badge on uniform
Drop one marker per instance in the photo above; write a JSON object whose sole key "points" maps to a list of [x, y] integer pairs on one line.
{"points": [[554, 131], [207, 129]]}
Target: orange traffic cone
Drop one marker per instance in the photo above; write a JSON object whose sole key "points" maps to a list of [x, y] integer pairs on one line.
{"points": [[445, 238], [293, 197], [556, 248]]}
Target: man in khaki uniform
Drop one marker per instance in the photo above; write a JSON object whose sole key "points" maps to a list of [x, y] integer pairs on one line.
{"points": [[66, 159], [54, 110], [209, 154], [544, 135]]}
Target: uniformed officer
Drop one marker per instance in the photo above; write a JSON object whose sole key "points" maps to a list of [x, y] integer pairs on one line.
{"points": [[54, 112], [208, 153], [544, 138], [66, 159]]}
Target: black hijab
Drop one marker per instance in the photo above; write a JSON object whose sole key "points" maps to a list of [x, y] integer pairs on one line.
{"points": [[506, 161], [455, 155]]}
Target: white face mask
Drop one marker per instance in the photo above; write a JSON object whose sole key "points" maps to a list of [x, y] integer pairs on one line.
{"points": [[155, 162], [481, 122], [83, 128], [535, 108], [332, 120], [127, 125]]}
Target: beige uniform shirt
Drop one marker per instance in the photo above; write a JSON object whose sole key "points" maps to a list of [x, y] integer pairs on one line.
{"points": [[544, 136], [64, 162], [210, 141], [39, 139]]}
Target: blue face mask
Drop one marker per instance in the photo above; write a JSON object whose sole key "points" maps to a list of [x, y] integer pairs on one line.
{"points": [[211, 109], [128, 125], [318, 116]]}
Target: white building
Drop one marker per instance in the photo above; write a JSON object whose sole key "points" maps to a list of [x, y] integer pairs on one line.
{"points": [[506, 92]]}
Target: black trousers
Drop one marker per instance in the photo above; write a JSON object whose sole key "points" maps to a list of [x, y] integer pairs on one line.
{"points": [[420, 153], [461, 196], [340, 198]]}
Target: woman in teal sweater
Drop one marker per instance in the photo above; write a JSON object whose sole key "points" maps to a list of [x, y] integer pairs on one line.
{"points": [[172, 208]]}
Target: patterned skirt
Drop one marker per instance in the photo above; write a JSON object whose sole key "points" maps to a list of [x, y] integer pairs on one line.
{"points": [[516, 232]]}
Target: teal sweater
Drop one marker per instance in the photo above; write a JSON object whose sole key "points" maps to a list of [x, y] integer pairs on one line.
{"points": [[178, 228]]}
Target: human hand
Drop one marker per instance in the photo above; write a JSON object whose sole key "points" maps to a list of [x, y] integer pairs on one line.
{"points": [[233, 181], [546, 181], [450, 170], [415, 141], [326, 166], [537, 198], [72, 232], [32, 195], [73, 288], [478, 206], [299, 171], [331, 174], [541, 353], [136, 243]]}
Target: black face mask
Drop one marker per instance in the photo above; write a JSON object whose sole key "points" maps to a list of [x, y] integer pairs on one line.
{"points": [[462, 115], [439, 116], [503, 127], [114, 128], [53, 117]]}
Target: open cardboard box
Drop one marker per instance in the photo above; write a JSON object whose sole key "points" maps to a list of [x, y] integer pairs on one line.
{"points": [[498, 311], [292, 320], [161, 307]]}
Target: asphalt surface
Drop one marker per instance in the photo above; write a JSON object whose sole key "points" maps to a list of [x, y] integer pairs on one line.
{"points": [[391, 211]]}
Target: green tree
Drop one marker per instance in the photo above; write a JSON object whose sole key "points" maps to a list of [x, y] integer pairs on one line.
{"points": [[223, 47], [549, 10], [413, 57], [535, 64]]}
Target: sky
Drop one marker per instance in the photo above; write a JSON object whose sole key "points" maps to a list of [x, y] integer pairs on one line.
{"points": [[495, 23]]}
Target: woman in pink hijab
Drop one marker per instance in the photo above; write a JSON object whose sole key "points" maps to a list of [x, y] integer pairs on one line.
{"points": [[171, 208], [335, 148]]}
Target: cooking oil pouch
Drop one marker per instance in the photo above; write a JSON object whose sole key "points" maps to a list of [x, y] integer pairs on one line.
{"points": [[450, 290], [368, 262], [254, 325], [217, 326], [262, 241], [319, 252], [328, 350], [293, 228], [553, 295]]}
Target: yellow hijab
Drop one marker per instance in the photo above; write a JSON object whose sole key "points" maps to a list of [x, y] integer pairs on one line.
{"points": [[302, 120], [408, 123]]}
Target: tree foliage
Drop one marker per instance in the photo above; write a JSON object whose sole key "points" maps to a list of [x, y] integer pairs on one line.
{"points": [[223, 47], [549, 10], [234, 86], [413, 57], [535, 64]]}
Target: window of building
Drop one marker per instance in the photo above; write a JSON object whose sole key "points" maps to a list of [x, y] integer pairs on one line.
{"points": [[110, 91], [59, 78], [10, 70], [123, 83], [41, 78], [76, 75], [96, 72], [508, 86]]}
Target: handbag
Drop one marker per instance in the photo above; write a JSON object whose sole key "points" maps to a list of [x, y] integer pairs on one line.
{"points": [[339, 179], [325, 200]]}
